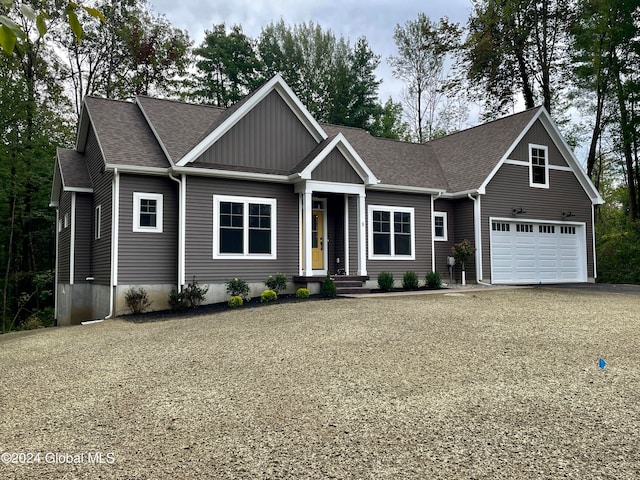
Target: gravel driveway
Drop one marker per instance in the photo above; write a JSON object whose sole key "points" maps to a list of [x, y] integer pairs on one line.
{"points": [[478, 385]]}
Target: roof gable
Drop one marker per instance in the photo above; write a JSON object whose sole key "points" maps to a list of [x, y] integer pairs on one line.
{"points": [[243, 108]]}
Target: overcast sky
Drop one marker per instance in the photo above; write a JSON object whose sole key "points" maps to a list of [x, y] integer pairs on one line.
{"points": [[373, 19]]}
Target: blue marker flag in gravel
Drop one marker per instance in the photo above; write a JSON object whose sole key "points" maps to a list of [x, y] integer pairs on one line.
{"points": [[602, 364]]}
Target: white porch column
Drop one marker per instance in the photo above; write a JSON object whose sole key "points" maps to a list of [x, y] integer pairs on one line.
{"points": [[362, 235], [307, 207], [346, 234]]}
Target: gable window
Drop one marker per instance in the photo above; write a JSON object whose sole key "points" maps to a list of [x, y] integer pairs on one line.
{"points": [[66, 220], [391, 233], [97, 220], [440, 226], [244, 227], [147, 212], [538, 166]]}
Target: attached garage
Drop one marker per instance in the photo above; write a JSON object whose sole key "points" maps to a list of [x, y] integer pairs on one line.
{"points": [[532, 251]]}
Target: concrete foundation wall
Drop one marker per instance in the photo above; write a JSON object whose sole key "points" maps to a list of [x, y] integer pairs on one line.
{"points": [[81, 302]]}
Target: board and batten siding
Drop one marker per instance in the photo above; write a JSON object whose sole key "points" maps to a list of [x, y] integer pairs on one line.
{"points": [[422, 221], [510, 189], [84, 233], [102, 181], [464, 230], [442, 249], [200, 235], [64, 239], [278, 140], [336, 168], [538, 135], [148, 257]]}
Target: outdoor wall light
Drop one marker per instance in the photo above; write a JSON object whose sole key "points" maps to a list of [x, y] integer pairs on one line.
{"points": [[568, 214], [518, 211]]}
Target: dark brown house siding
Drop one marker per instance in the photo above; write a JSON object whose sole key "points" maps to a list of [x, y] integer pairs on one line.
{"points": [[148, 257], [510, 189], [335, 168], [538, 135], [278, 140], [422, 263], [102, 191], [464, 230], [83, 231], [442, 249], [199, 231]]}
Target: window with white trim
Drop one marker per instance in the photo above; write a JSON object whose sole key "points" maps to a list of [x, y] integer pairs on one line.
{"points": [[66, 220], [244, 227], [440, 226], [391, 233], [538, 166], [97, 222], [147, 212]]}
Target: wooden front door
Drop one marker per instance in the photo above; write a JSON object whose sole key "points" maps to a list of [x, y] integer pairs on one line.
{"points": [[317, 240]]}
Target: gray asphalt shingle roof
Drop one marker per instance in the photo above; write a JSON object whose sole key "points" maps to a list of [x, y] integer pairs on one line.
{"points": [[73, 168]]}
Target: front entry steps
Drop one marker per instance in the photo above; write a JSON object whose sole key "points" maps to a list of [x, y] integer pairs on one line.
{"points": [[345, 284]]}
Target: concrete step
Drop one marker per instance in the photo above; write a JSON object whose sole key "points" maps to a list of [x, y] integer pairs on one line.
{"points": [[346, 283], [352, 290]]}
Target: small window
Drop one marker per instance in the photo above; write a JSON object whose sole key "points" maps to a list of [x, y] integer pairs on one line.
{"points": [[546, 229], [568, 230], [60, 225], [147, 212], [391, 233], [538, 166], [440, 226], [244, 227], [97, 222], [66, 220], [524, 228], [500, 227]]}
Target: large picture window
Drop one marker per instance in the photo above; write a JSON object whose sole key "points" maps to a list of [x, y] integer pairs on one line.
{"points": [[244, 227], [147, 212], [538, 166], [391, 233]]}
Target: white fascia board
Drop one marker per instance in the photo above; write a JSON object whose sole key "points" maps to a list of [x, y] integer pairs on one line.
{"points": [[155, 132], [407, 189], [57, 184], [235, 175], [350, 154], [276, 83], [137, 169], [79, 189]]}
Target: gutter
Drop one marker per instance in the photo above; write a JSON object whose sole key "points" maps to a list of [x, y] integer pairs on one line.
{"points": [[477, 230], [115, 202], [182, 187], [433, 240]]}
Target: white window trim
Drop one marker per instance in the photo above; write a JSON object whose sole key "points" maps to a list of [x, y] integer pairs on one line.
{"points": [[217, 199], [445, 237], [392, 210], [137, 197], [546, 166], [97, 223], [66, 220]]}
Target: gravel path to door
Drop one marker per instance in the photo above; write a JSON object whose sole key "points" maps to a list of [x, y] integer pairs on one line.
{"points": [[478, 384]]}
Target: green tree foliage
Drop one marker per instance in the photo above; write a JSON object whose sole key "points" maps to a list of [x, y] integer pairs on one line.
{"points": [[423, 46], [388, 122], [228, 68]]}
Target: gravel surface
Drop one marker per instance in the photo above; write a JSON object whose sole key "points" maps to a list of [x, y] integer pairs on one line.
{"points": [[482, 384]]}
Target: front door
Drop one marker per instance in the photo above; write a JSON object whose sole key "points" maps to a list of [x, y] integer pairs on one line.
{"points": [[317, 240]]}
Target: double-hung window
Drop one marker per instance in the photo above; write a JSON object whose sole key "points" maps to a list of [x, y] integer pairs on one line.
{"points": [[147, 212], [244, 227], [538, 166], [440, 226], [97, 222], [391, 233]]}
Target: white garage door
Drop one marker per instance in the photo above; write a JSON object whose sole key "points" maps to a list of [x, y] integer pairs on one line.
{"points": [[537, 252]]}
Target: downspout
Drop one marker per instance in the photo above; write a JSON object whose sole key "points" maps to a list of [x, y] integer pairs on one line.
{"points": [[433, 232], [55, 298], [181, 229], [115, 219], [477, 230]]}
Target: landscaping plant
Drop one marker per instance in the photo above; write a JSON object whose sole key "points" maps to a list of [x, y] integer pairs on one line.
{"points": [[302, 293], [385, 281], [277, 282], [137, 299], [268, 296], [432, 280], [410, 281], [238, 288], [328, 288]]}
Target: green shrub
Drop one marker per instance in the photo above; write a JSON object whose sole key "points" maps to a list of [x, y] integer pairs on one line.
{"points": [[177, 302], [235, 301], [328, 288], [302, 293], [385, 281], [410, 281], [433, 280], [277, 282], [137, 299], [238, 288], [268, 296], [32, 323], [193, 294]]}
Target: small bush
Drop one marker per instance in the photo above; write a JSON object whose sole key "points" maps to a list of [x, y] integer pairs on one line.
{"points": [[32, 323], [268, 296], [193, 294], [328, 288], [433, 280], [302, 293], [238, 288], [177, 302], [385, 281], [277, 282], [235, 301], [410, 281], [137, 299]]}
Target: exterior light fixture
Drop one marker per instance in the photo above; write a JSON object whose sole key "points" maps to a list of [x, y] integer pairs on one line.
{"points": [[518, 211]]}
